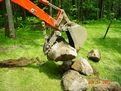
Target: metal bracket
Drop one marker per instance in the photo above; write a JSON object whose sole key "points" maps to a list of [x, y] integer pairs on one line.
{"points": [[49, 40]]}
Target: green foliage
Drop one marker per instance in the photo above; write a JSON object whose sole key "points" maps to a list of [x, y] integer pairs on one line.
{"points": [[90, 9], [73, 12], [67, 6], [76, 9]]}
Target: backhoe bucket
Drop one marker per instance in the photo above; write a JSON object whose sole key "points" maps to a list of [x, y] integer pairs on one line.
{"points": [[76, 35]]}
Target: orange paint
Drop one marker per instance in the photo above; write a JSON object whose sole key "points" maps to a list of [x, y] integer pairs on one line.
{"points": [[1, 0], [32, 8]]}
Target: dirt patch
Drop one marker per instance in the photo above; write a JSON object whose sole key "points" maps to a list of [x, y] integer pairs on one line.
{"points": [[21, 62], [2, 49], [11, 48]]}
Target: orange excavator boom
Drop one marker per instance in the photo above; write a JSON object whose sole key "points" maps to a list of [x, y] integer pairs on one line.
{"points": [[35, 10]]}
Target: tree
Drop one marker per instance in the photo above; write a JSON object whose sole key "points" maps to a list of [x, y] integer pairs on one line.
{"points": [[51, 10], [10, 30], [73, 2], [100, 6], [80, 9], [60, 3]]}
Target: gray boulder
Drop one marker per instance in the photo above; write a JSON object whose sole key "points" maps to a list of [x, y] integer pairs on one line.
{"points": [[82, 66], [94, 55], [66, 66], [61, 51], [73, 81]]}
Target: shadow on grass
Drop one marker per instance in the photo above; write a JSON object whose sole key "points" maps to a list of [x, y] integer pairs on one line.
{"points": [[109, 43], [49, 68]]}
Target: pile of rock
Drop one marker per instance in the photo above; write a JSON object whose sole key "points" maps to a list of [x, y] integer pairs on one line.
{"points": [[75, 71], [74, 77]]}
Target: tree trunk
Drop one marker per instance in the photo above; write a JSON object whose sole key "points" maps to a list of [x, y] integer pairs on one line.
{"points": [[51, 11], [23, 14], [60, 3], [80, 10], [73, 2], [10, 30], [100, 6], [2, 11], [119, 10]]}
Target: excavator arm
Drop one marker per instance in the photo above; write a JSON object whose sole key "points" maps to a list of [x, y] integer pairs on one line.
{"points": [[76, 34], [35, 10]]}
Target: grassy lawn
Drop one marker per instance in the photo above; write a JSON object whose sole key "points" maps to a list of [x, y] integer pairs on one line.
{"points": [[110, 65], [47, 77]]}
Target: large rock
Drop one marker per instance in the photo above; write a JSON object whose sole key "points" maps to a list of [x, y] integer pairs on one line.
{"points": [[73, 81], [82, 66], [61, 51], [113, 86], [66, 66], [94, 55]]}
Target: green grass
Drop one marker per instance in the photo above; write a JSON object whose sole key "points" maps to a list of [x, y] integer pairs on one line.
{"points": [[109, 66], [47, 77]]}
